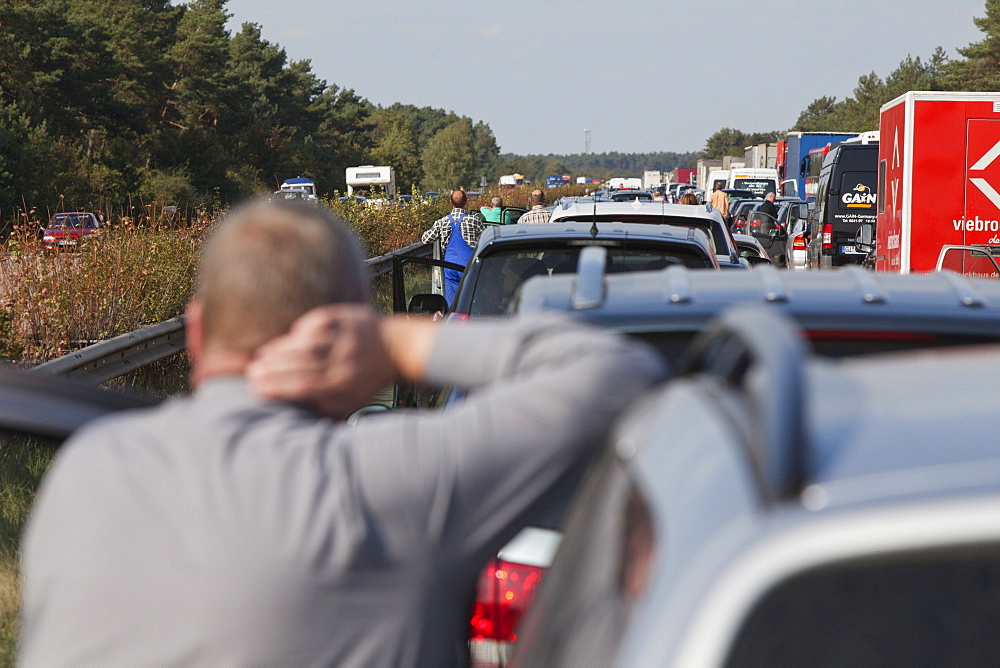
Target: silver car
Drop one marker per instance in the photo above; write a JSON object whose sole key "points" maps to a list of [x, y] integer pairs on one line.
{"points": [[770, 508]]}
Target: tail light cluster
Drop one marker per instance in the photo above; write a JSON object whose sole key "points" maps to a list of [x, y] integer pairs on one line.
{"points": [[504, 594], [828, 239], [799, 243]]}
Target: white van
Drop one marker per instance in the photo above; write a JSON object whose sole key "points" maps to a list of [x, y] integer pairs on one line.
{"points": [[759, 181], [717, 176]]}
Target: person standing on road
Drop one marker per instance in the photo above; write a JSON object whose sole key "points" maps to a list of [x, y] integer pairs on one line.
{"points": [[767, 207], [459, 233], [243, 525], [720, 201], [491, 214], [538, 212]]}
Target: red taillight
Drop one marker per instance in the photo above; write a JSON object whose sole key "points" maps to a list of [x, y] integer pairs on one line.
{"points": [[505, 593], [460, 317], [853, 335], [799, 243], [828, 238]]}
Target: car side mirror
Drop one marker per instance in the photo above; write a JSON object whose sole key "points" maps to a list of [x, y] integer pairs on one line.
{"points": [[803, 210], [754, 260], [865, 236], [427, 303]]}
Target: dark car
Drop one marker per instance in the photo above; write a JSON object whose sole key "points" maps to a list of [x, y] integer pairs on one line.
{"points": [[69, 230], [740, 211], [509, 255], [846, 199]]}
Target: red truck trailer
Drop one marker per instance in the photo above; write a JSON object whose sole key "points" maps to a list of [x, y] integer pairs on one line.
{"points": [[939, 177]]}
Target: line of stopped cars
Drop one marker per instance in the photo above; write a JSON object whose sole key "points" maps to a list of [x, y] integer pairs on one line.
{"points": [[816, 484]]}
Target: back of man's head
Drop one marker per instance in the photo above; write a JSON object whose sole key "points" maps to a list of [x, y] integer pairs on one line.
{"points": [[537, 198], [770, 197], [458, 199], [718, 186], [496, 201], [266, 264]]}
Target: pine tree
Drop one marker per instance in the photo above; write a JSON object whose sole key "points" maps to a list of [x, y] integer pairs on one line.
{"points": [[980, 70]]}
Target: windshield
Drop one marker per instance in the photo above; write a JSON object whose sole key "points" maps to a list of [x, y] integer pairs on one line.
{"points": [[74, 220], [502, 274], [758, 187], [706, 225]]}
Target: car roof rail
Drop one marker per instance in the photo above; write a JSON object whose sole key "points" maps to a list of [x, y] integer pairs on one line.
{"points": [[678, 284], [588, 290], [871, 291], [963, 289], [758, 353], [771, 281]]}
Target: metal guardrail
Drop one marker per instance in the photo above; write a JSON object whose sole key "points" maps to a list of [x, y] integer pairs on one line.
{"points": [[382, 264], [115, 357]]}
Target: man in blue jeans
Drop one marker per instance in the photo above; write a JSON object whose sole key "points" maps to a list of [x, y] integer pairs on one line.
{"points": [[459, 233]]}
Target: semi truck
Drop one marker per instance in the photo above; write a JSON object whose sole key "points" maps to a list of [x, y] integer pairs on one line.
{"points": [[794, 160], [939, 175]]}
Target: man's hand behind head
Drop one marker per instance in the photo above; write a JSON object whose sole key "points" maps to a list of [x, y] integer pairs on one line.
{"points": [[333, 358], [336, 358]]}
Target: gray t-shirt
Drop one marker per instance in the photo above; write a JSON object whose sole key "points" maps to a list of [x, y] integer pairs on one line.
{"points": [[220, 529]]}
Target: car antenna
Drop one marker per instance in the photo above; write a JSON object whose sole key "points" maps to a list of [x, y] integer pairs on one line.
{"points": [[593, 225]]}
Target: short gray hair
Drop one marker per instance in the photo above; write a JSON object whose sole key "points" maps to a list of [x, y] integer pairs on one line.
{"points": [[267, 263]]}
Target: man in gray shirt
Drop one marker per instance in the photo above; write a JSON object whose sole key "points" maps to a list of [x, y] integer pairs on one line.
{"points": [[228, 529]]}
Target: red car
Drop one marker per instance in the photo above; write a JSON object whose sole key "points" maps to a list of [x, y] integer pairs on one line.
{"points": [[66, 230]]}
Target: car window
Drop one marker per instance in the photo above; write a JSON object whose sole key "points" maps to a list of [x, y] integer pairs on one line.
{"points": [[501, 274], [928, 609]]}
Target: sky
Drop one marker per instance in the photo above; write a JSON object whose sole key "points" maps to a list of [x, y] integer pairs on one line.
{"points": [[648, 75]]}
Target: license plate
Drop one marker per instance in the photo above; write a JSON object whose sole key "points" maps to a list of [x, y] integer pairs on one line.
{"points": [[851, 250]]}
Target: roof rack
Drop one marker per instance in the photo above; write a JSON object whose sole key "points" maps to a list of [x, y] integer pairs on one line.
{"points": [[871, 292], [759, 354], [774, 286], [678, 284], [588, 290], [963, 289]]}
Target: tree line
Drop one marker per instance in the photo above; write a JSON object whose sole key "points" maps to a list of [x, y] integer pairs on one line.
{"points": [[977, 68], [592, 165], [132, 102]]}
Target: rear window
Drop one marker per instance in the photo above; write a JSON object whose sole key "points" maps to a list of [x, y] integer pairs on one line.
{"points": [[758, 187], [502, 274], [631, 197], [706, 225], [922, 609]]}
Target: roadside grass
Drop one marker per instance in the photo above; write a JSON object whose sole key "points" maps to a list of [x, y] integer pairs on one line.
{"points": [[23, 461]]}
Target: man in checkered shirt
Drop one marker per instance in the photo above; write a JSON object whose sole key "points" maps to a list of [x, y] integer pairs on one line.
{"points": [[539, 213], [459, 233]]}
